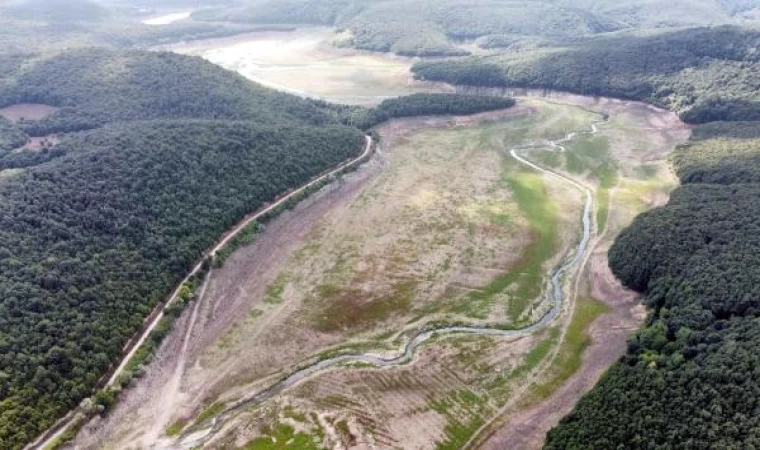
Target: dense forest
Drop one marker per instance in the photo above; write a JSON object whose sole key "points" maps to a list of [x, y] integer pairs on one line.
{"points": [[11, 137], [420, 105], [97, 86], [705, 74], [691, 376]]}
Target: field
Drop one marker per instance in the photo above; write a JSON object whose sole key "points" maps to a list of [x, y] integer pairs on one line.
{"points": [[442, 226], [279, 59]]}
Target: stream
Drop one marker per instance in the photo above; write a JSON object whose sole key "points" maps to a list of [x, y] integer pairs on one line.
{"points": [[555, 293]]}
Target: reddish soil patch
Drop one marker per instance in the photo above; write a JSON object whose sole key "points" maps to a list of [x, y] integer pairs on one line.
{"points": [[27, 111]]}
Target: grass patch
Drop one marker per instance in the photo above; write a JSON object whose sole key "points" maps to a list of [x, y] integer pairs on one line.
{"points": [[570, 354], [275, 290], [212, 411], [607, 176], [464, 411], [591, 155], [176, 428], [525, 279], [284, 437], [291, 413]]}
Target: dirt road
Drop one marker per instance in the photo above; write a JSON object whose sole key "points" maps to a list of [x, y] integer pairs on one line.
{"points": [[63, 425]]}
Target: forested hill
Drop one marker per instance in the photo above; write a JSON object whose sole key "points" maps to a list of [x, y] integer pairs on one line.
{"points": [[691, 376], [420, 105], [704, 74], [97, 86], [96, 230], [436, 27]]}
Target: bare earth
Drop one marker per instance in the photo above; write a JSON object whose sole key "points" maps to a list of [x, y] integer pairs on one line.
{"points": [[280, 59], [27, 111]]}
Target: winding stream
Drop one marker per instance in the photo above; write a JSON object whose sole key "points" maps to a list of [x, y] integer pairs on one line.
{"points": [[556, 297]]}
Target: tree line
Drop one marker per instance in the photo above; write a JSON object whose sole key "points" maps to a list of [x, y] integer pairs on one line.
{"points": [[691, 376], [704, 74]]}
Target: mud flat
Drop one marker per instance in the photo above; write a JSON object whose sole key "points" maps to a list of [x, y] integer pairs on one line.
{"points": [[304, 62]]}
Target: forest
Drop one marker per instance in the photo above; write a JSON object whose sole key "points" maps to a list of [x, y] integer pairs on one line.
{"points": [[97, 86], [92, 241], [704, 74], [11, 137], [691, 375], [419, 105]]}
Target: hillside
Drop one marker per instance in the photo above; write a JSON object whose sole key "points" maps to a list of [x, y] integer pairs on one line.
{"points": [[704, 74], [434, 28], [97, 86], [60, 11], [690, 376], [159, 154], [97, 230]]}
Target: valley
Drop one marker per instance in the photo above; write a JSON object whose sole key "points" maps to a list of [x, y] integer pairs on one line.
{"points": [[364, 224], [412, 240]]}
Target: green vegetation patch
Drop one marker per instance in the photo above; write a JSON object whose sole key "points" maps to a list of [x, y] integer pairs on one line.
{"points": [[525, 279], [284, 437], [176, 427], [570, 353], [464, 411], [211, 411]]}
